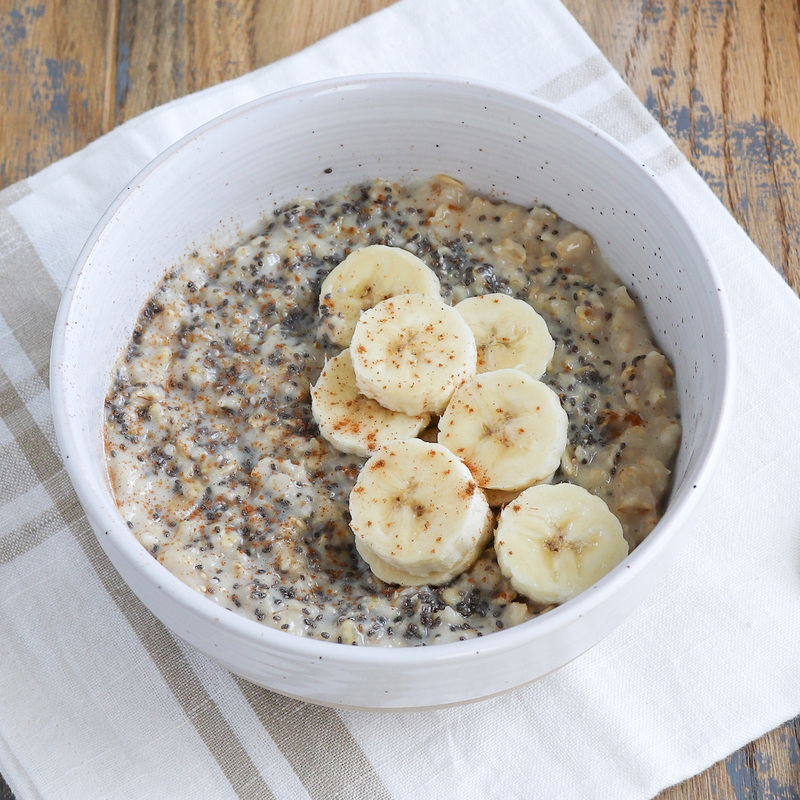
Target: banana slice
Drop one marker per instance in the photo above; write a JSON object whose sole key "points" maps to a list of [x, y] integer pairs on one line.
{"points": [[553, 542], [498, 498], [417, 514], [508, 428], [410, 352], [363, 279], [509, 334], [349, 420]]}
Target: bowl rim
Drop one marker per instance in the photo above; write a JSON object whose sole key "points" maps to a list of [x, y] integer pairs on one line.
{"points": [[197, 605]]}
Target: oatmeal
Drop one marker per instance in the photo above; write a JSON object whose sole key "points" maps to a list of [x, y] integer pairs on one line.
{"points": [[218, 467]]}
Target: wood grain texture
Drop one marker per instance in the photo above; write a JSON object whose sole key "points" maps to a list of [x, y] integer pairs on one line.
{"points": [[51, 81], [71, 70], [721, 76], [723, 79]]}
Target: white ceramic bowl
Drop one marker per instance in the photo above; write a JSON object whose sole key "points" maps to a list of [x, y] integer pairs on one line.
{"points": [[314, 139]]}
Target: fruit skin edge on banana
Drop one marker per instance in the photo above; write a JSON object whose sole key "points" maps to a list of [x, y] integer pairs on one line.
{"points": [[421, 507], [417, 514]]}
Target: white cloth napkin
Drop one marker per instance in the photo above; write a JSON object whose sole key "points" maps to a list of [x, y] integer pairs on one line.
{"points": [[97, 699]]}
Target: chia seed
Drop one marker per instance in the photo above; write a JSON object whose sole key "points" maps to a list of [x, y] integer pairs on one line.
{"points": [[234, 491]]}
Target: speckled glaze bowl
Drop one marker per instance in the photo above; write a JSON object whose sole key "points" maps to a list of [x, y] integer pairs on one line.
{"points": [[219, 181]]}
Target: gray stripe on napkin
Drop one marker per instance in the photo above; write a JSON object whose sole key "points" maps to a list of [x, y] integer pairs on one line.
{"points": [[37, 452], [201, 710], [621, 116], [36, 455], [30, 535], [666, 160], [28, 297], [18, 477], [574, 79], [28, 436], [311, 758], [328, 761]]}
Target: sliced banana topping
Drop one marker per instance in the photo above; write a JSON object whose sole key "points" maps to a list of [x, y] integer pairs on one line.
{"points": [[498, 498], [553, 542], [390, 574], [509, 334], [367, 276], [417, 514], [349, 420], [410, 352], [509, 429]]}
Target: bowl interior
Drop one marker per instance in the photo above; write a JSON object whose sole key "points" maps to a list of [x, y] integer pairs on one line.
{"points": [[221, 181]]}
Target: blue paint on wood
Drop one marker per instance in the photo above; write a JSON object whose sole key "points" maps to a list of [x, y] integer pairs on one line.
{"points": [[715, 9], [14, 30], [711, 10], [665, 75], [780, 791], [790, 741], [754, 145], [60, 74], [178, 67], [653, 11], [741, 776], [226, 7], [748, 771], [682, 121], [123, 74], [14, 27]]}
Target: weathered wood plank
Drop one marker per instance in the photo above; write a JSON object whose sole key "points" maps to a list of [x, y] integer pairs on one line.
{"points": [[168, 50], [53, 61], [722, 78]]}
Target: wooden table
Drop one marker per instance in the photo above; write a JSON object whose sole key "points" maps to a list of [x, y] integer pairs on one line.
{"points": [[721, 76]]}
